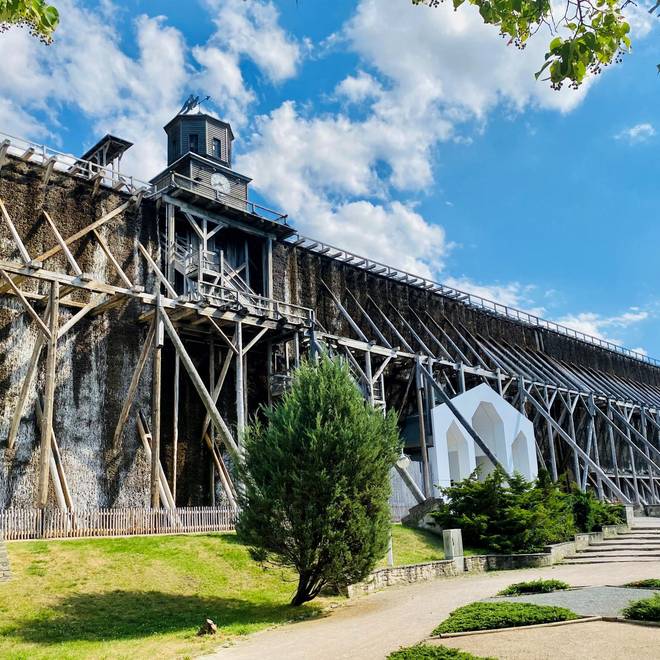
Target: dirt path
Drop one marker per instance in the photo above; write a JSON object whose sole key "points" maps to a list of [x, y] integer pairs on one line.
{"points": [[372, 626]]}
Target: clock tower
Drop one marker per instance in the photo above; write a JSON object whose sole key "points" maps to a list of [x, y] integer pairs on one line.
{"points": [[199, 150]]}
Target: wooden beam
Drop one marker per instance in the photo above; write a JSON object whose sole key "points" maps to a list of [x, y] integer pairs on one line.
{"points": [[175, 424], [219, 465], [155, 417], [93, 304], [22, 250], [218, 388], [159, 275], [198, 383], [27, 384], [57, 474], [164, 494], [49, 396], [255, 340], [132, 388], [79, 234], [28, 308], [65, 248], [111, 257]]}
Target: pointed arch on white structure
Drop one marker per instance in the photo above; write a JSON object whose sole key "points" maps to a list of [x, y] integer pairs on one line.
{"points": [[489, 426], [503, 428], [458, 452]]}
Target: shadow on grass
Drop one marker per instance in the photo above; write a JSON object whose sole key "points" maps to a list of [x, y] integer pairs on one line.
{"points": [[120, 615]]}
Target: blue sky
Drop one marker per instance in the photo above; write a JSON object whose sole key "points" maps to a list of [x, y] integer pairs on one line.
{"points": [[411, 134]]}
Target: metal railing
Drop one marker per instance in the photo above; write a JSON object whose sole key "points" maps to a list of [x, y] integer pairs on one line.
{"points": [[469, 299], [175, 180], [32, 152]]}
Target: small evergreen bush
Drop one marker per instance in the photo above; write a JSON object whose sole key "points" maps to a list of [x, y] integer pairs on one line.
{"points": [[534, 587], [316, 480], [507, 514], [647, 609], [651, 583], [491, 615], [428, 652]]}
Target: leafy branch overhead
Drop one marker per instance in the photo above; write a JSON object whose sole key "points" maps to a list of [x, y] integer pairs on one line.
{"points": [[40, 18], [589, 35]]}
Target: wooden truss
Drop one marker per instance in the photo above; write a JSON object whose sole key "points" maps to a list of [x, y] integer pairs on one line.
{"points": [[168, 315], [603, 428]]}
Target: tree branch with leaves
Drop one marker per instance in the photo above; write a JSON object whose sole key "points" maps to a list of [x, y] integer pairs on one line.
{"points": [[40, 18], [587, 36]]}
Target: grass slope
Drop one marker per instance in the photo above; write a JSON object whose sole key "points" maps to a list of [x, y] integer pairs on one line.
{"points": [[414, 546], [489, 616], [136, 597]]}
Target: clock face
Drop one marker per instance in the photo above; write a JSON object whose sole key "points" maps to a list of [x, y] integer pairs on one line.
{"points": [[220, 183]]}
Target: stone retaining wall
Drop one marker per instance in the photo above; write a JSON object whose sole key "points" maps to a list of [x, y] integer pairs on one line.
{"points": [[5, 573], [554, 554]]}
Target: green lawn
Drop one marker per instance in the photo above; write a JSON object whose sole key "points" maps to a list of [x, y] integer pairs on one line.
{"points": [[413, 546], [137, 597], [147, 596]]}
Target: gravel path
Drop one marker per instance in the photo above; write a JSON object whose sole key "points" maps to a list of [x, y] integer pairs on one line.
{"points": [[370, 627], [597, 640], [594, 601]]}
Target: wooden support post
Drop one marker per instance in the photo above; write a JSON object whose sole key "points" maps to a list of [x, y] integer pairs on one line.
{"points": [[169, 241], [571, 428], [49, 396], [551, 440], [155, 407], [166, 499], [422, 430], [27, 384], [240, 383], [175, 425]]}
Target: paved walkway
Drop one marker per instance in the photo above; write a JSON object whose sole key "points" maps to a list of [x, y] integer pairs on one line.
{"points": [[372, 626]]}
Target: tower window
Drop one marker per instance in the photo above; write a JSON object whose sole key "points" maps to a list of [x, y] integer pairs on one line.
{"points": [[217, 149], [194, 143]]}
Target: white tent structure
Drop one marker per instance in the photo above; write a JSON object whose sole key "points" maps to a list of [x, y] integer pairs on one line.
{"points": [[506, 432]]}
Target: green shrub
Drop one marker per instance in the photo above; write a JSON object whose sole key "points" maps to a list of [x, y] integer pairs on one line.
{"points": [[534, 587], [647, 609], [428, 652], [651, 583], [489, 616], [591, 514], [507, 514]]}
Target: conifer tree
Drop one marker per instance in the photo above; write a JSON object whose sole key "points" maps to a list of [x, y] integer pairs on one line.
{"points": [[316, 480]]}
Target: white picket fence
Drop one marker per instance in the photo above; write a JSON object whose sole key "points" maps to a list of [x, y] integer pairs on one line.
{"points": [[21, 524]]}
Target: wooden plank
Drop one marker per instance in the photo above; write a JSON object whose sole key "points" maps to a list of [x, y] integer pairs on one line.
{"points": [[132, 388], [175, 424], [49, 395], [22, 250]]}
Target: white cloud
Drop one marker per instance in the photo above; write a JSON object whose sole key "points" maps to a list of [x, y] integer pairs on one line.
{"points": [[601, 327], [251, 29], [637, 133]]}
